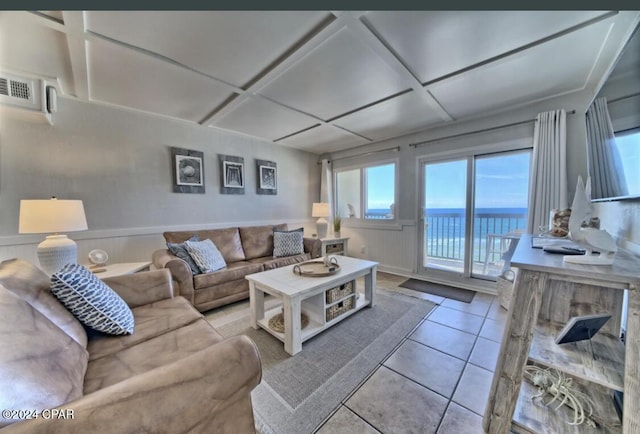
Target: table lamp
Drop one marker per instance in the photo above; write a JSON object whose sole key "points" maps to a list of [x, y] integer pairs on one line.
{"points": [[53, 216], [321, 209]]}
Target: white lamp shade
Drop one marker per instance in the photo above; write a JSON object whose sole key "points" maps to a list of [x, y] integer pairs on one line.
{"points": [[51, 216], [320, 209]]}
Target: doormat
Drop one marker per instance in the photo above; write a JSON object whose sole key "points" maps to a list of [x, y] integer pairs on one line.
{"points": [[458, 294]]}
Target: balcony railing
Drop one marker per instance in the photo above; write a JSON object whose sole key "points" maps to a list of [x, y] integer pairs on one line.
{"points": [[445, 233], [378, 215]]}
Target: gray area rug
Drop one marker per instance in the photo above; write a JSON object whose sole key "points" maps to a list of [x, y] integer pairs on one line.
{"points": [[451, 292], [298, 392]]}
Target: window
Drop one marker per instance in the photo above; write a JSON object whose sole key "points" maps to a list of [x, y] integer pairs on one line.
{"points": [[628, 144], [366, 192]]}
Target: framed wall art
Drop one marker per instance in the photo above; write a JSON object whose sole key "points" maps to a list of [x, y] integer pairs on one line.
{"points": [[267, 177], [188, 170], [232, 173]]}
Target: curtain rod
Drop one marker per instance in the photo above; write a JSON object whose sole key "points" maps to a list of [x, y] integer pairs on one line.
{"points": [[415, 145], [394, 149]]}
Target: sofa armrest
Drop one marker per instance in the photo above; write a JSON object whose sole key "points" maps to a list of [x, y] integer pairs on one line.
{"points": [[206, 392], [180, 272], [312, 246], [142, 288]]}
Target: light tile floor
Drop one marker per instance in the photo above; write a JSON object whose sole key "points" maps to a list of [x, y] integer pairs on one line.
{"points": [[437, 380]]}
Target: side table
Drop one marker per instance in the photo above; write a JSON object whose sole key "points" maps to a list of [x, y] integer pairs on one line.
{"points": [[335, 246], [111, 270]]}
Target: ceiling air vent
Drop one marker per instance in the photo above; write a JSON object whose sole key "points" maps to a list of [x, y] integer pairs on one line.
{"points": [[26, 97]]}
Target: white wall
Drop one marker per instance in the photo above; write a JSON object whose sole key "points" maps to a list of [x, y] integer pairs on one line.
{"points": [[118, 162]]}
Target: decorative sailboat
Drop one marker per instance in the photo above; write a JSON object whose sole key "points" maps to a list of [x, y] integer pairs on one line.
{"points": [[600, 245]]}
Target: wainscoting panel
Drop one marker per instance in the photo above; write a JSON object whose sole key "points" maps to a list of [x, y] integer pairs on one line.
{"points": [[395, 249], [122, 245]]}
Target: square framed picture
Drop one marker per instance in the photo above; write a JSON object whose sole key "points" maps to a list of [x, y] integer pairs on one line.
{"points": [[188, 171], [267, 177], [232, 173]]}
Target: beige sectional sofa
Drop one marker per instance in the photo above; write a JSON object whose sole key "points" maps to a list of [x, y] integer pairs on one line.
{"points": [[246, 250], [174, 374]]}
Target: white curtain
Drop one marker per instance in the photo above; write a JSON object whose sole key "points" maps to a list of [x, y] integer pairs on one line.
{"points": [[548, 188], [326, 186], [605, 163]]}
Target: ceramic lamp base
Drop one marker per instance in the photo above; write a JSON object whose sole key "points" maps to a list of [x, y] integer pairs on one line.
{"points": [[55, 252], [322, 227]]}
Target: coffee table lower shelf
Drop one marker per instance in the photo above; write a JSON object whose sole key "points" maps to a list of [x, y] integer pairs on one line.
{"points": [[315, 325]]}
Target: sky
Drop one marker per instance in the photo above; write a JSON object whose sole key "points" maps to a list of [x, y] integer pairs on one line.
{"points": [[629, 147], [502, 181], [380, 182]]}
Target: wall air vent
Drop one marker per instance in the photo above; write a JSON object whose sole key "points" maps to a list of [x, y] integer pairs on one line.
{"points": [[4, 89], [26, 97]]}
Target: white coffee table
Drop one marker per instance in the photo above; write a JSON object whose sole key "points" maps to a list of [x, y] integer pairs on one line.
{"points": [[302, 293]]}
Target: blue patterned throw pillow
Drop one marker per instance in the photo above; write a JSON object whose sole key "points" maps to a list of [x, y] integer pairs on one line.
{"points": [[180, 250], [288, 243], [206, 255], [91, 300]]}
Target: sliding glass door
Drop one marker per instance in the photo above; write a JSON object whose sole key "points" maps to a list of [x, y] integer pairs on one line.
{"points": [[501, 186], [445, 212], [473, 210]]}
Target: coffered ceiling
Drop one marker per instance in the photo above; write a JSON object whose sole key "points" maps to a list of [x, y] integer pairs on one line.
{"points": [[316, 80]]}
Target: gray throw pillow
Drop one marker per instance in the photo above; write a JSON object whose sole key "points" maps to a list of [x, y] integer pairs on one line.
{"points": [[91, 301], [206, 255], [288, 243], [180, 250]]}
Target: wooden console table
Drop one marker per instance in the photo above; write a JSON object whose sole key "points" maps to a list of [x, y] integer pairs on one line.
{"points": [[547, 293]]}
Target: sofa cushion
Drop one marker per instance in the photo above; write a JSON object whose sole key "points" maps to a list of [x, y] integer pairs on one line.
{"points": [[257, 241], [206, 255], [150, 354], [288, 243], [91, 300], [234, 271], [32, 285], [271, 263], [180, 250], [227, 240], [42, 366], [151, 320]]}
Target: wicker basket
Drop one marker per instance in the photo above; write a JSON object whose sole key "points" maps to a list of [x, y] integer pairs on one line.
{"points": [[334, 248], [339, 308], [339, 292]]}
